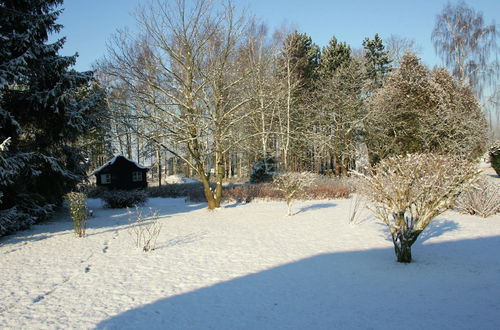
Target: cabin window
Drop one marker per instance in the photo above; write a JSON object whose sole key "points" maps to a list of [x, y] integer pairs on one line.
{"points": [[136, 176], [105, 178]]}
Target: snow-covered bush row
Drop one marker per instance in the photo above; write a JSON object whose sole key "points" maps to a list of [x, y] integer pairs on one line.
{"points": [[408, 192], [246, 193], [192, 191], [116, 199]]}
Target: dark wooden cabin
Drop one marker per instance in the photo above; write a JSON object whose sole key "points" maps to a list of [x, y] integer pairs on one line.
{"points": [[121, 173]]}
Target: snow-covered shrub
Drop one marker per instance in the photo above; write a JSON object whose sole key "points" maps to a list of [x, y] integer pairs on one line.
{"points": [[118, 199], [27, 212], [482, 199], [495, 156], [145, 228], [407, 192], [263, 170], [13, 219], [355, 208], [77, 203], [291, 184]]}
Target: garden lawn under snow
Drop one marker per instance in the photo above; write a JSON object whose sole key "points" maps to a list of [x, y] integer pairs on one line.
{"points": [[248, 266]]}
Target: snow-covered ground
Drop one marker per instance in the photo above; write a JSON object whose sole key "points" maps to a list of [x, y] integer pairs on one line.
{"points": [[179, 179], [248, 266]]}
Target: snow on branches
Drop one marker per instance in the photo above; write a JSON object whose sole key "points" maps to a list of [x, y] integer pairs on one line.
{"points": [[292, 183], [407, 192]]}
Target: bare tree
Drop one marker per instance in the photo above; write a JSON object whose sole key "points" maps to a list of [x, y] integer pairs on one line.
{"points": [[397, 46], [467, 46], [182, 71], [259, 56]]}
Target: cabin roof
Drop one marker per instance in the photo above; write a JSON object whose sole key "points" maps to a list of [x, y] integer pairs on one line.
{"points": [[113, 160]]}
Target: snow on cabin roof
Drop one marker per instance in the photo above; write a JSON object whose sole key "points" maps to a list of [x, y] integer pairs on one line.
{"points": [[113, 160]]}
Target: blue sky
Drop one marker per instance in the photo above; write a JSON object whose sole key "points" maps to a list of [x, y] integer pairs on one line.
{"points": [[88, 24]]}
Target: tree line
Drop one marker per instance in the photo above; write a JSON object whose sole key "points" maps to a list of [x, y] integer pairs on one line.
{"points": [[202, 88], [214, 88]]}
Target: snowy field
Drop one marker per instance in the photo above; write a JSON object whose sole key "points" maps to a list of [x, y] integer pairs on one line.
{"points": [[248, 266]]}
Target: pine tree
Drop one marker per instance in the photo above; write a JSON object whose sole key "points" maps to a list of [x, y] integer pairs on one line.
{"points": [[334, 55], [298, 71], [45, 107], [303, 56], [378, 62]]}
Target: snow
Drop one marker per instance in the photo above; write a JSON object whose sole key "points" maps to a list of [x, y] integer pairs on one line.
{"points": [[176, 178], [249, 266], [113, 160]]}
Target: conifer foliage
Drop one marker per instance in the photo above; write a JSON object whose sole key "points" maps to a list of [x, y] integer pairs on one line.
{"points": [[45, 107]]}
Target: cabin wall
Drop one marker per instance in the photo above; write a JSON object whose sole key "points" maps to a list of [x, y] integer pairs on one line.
{"points": [[121, 176]]}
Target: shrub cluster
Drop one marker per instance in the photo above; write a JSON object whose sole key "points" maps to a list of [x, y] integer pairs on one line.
{"points": [[117, 199], [246, 193], [327, 191], [483, 199], [192, 191], [332, 189]]}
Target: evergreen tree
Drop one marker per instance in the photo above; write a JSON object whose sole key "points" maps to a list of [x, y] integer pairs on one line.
{"points": [[304, 57], [424, 111], [378, 62], [45, 107], [334, 55], [298, 71]]}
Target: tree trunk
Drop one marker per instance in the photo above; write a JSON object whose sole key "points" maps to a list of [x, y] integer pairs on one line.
{"points": [[158, 168], [219, 161], [403, 251], [404, 238], [207, 191]]}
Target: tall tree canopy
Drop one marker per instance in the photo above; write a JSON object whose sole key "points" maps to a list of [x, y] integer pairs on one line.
{"points": [[44, 109], [334, 55], [419, 111], [181, 77], [377, 60]]}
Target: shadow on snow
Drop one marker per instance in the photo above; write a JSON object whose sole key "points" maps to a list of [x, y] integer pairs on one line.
{"points": [[451, 285], [102, 218]]}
